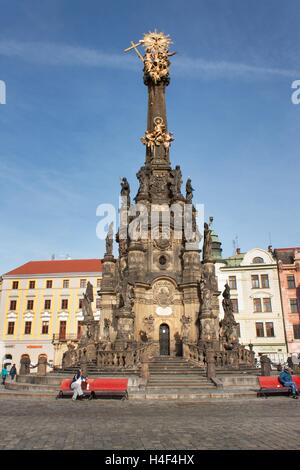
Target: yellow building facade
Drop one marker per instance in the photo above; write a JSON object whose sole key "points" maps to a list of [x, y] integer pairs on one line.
{"points": [[40, 308]]}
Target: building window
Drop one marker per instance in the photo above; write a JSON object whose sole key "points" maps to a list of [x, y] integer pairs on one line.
{"points": [[98, 303], [257, 260], [270, 329], [255, 281], [80, 303], [10, 327], [98, 282], [31, 284], [296, 329], [66, 284], [265, 281], [259, 329], [232, 282], [47, 304], [27, 328], [62, 329], [257, 305], [235, 305], [83, 283], [64, 304], [79, 329], [267, 305], [13, 305], [15, 285], [238, 330], [294, 305], [30, 304], [48, 284], [291, 282], [45, 327]]}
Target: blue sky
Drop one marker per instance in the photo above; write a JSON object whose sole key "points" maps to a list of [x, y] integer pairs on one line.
{"points": [[76, 109]]}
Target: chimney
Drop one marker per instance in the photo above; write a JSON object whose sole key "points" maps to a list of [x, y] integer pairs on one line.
{"points": [[238, 251]]}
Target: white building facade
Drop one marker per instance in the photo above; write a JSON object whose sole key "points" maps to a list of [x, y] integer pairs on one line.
{"points": [[255, 294]]}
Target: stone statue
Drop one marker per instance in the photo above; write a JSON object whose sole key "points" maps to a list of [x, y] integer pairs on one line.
{"points": [[189, 191], [88, 298], [205, 295], [107, 324], [228, 324], [207, 243], [109, 240], [143, 178], [125, 188], [143, 336], [130, 296], [176, 182], [69, 357]]}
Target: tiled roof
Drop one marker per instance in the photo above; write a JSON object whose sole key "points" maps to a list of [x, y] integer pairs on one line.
{"points": [[58, 266]]}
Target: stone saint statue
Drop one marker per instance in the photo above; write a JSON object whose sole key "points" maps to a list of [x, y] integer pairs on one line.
{"points": [[207, 243], [189, 191], [125, 188], [109, 240], [142, 176], [88, 298], [228, 324]]}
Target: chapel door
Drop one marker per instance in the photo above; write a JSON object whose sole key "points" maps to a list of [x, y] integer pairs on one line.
{"points": [[164, 340]]}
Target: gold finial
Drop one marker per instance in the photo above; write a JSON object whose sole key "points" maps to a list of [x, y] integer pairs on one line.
{"points": [[156, 58]]}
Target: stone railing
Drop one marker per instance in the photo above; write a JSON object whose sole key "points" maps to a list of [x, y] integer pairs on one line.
{"points": [[194, 354], [227, 359], [127, 359]]}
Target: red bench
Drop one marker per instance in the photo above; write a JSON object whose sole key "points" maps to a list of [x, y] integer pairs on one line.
{"points": [[110, 387], [66, 391], [270, 385], [97, 387]]}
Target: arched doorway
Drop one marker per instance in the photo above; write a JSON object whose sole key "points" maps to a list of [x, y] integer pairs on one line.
{"points": [[164, 340]]}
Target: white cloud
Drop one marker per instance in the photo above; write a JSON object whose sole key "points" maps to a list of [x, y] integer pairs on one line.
{"points": [[53, 54]]}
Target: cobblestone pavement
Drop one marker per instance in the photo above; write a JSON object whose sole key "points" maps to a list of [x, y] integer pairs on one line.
{"points": [[43, 423]]}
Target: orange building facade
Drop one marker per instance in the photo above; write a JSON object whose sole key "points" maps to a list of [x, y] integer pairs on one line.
{"points": [[288, 260]]}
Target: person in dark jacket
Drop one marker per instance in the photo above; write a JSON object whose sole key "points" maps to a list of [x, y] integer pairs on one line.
{"points": [[285, 378], [13, 372]]}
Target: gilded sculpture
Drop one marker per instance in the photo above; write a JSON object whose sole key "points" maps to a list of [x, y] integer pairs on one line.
{"points": [[158, 136], [156, 59]]}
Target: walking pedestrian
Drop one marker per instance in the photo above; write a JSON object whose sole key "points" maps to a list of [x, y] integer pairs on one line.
{"points": [[13, 372], [76, 385], [4, 374]]}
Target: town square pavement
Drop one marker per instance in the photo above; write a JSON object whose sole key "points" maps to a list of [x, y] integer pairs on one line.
{"points": [[45, 423]]}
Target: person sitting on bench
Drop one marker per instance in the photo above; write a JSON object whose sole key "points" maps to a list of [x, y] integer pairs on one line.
{"points": [[76, 385], [285, 378]]}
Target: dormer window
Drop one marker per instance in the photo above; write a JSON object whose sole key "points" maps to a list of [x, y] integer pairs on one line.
{"points": [[257, 260]]}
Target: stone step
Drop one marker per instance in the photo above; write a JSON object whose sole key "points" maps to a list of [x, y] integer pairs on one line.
{"points": [[174, 368], [192, 395], [176, 386]]}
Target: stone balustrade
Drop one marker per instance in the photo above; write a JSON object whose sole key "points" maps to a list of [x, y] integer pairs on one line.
{"points": [[231, 358], [127, 359]]}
